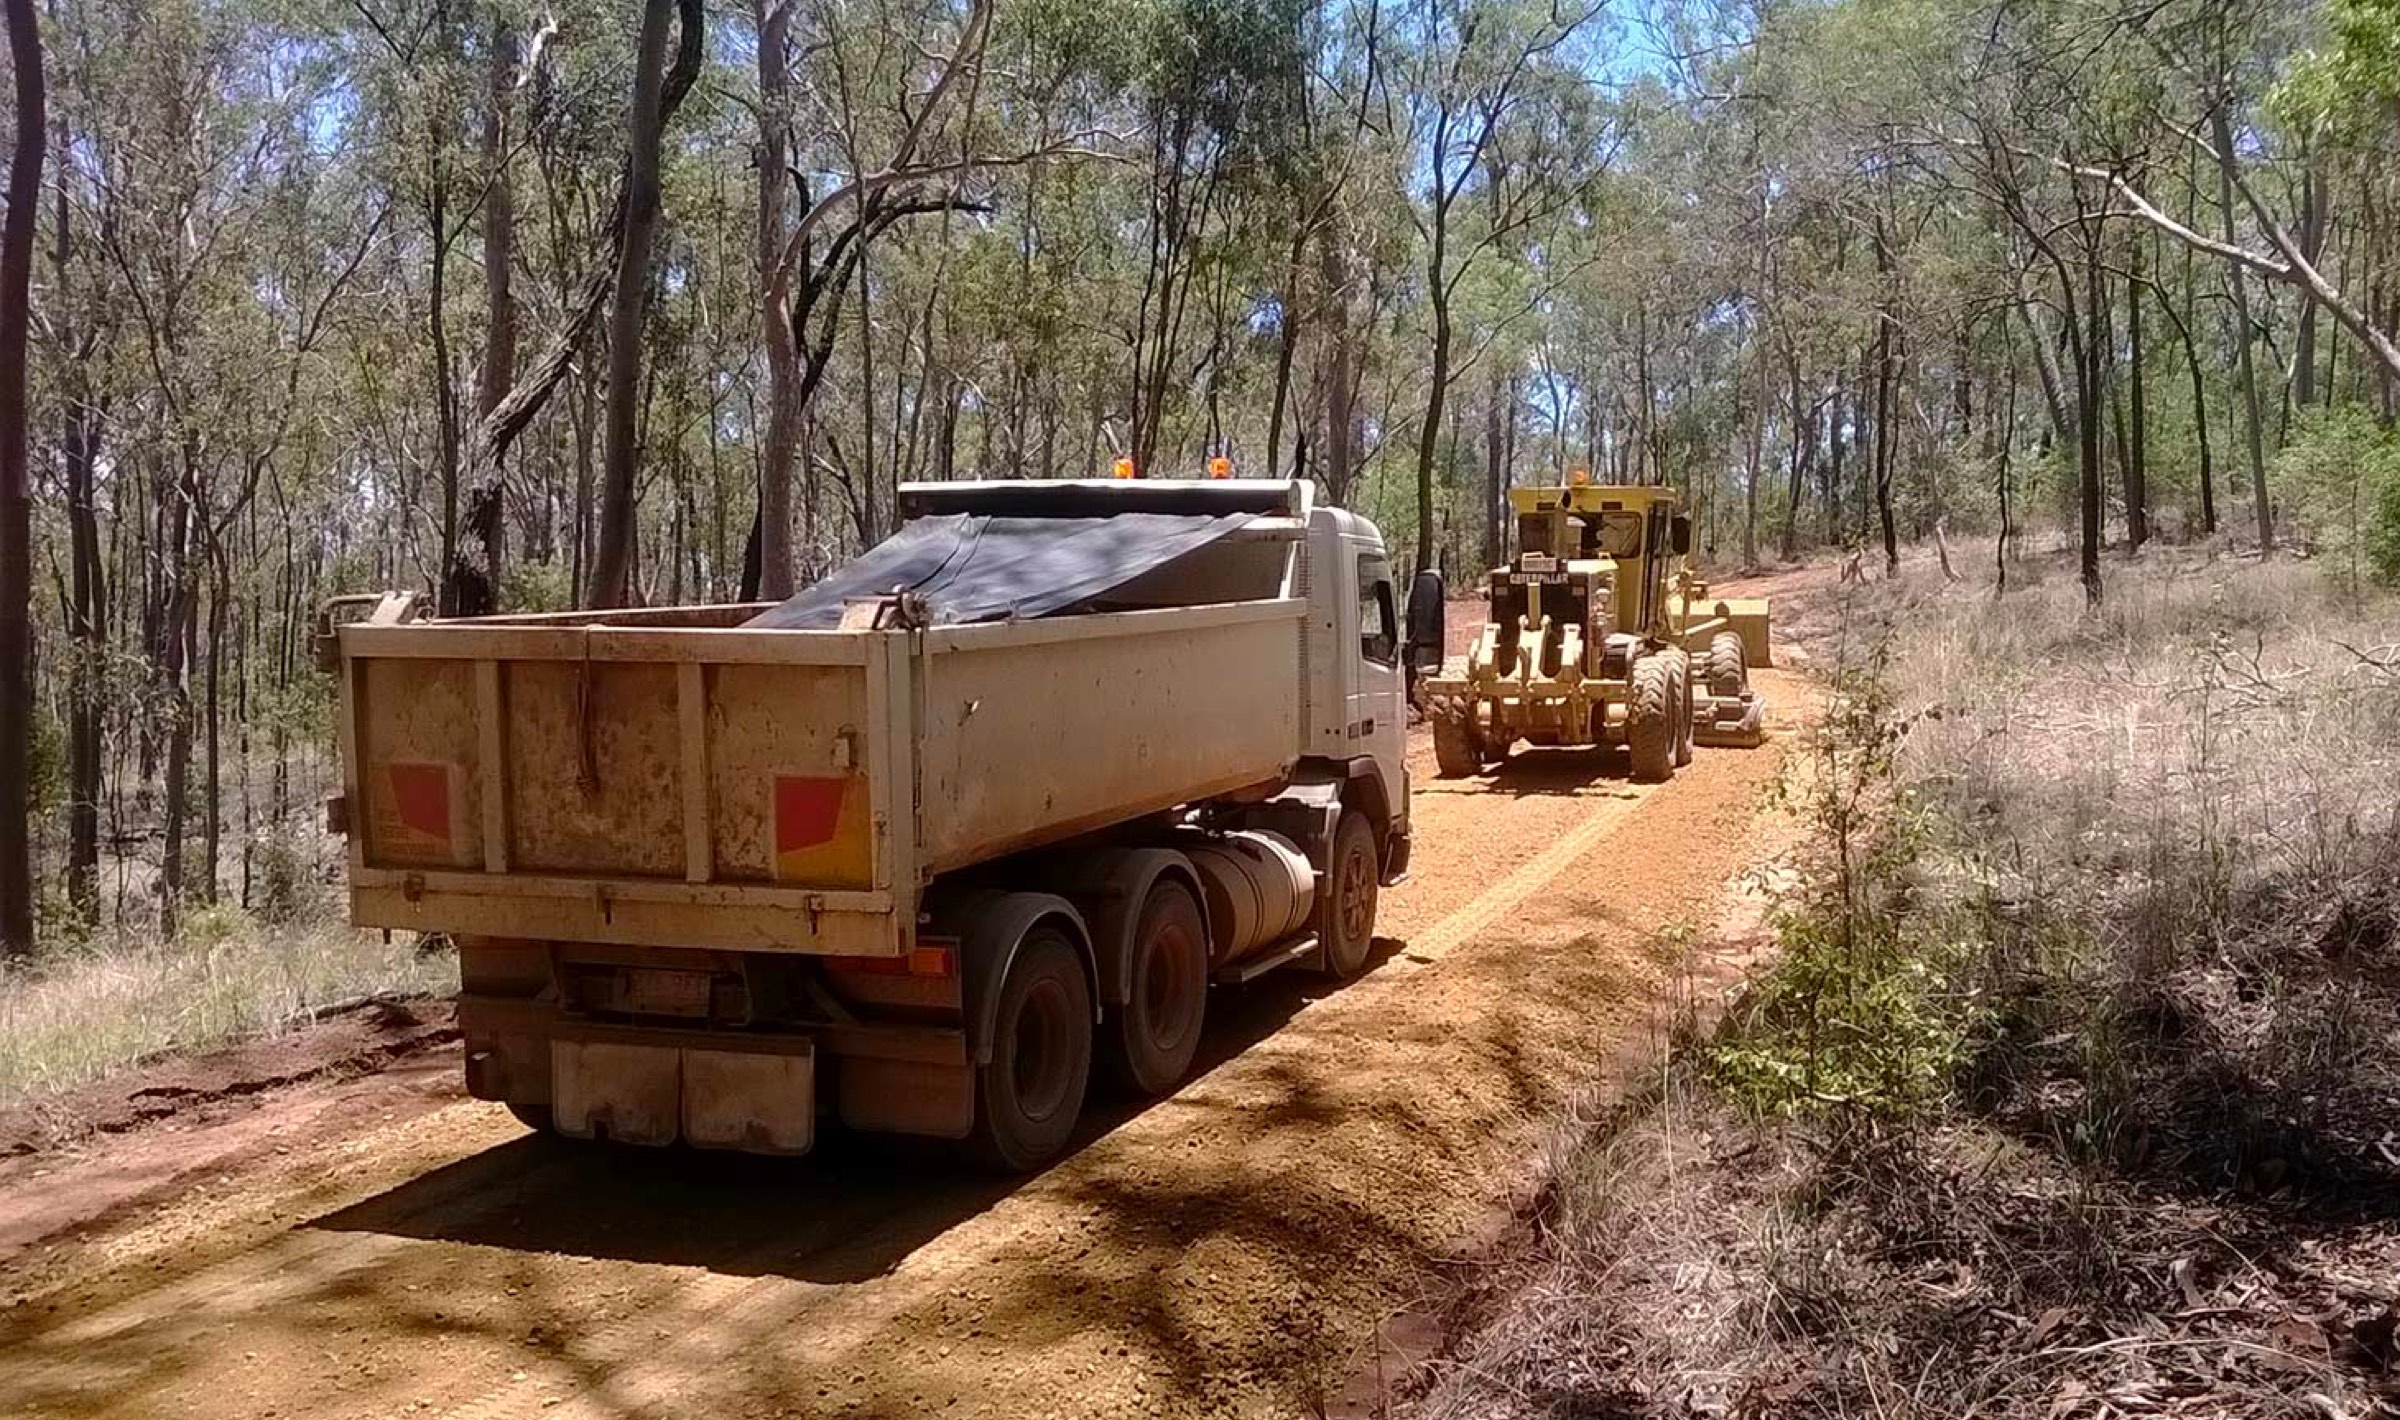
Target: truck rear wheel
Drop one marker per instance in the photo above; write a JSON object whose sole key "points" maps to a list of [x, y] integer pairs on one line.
{"points": [[1346, 906], [1650, 720], [1028, 1098], [1158, 1027]]}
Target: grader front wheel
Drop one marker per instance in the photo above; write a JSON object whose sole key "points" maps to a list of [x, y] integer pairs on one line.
{"points": [[1681, 671], [1651, 730], [1457, 748]]}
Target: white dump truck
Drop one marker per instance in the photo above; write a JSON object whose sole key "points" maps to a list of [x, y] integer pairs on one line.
{"points": [[1001, 799]]}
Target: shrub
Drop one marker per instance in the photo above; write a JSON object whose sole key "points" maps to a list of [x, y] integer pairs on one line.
{"points": [[2344, 468], [1864, 1008]]}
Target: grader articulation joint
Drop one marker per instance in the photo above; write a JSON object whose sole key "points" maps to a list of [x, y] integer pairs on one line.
{"points": [[1599, 634]]}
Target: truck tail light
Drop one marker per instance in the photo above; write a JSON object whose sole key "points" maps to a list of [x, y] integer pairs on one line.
{"points": [[933, 957]]}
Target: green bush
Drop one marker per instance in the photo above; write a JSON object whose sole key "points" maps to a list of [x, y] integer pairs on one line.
{"points": [[537, 586], [2343, 472], [1865, 1007]]}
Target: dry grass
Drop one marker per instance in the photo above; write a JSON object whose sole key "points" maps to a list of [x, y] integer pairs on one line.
{"points": [[2147, 870], [89, 1010], [2178, 821]]}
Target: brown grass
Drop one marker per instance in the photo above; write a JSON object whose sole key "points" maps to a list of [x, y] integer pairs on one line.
{"points": [[89, 1010], [2152, 871]]}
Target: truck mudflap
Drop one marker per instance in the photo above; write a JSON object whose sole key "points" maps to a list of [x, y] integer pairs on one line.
{"points": [[756, 1092], [757, 1102]]}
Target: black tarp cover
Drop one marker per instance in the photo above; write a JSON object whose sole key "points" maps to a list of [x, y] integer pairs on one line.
{"points": [[969, 567]]}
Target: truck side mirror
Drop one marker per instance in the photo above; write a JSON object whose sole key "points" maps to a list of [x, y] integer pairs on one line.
{"points": [[1679, 534], [1427, 624]]}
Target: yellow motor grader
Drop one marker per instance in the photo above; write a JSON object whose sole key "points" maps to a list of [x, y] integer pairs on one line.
{"points": [[1599, 634]]}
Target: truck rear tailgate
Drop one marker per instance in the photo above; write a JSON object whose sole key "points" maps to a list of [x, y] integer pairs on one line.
{"points": [[695, 786]]}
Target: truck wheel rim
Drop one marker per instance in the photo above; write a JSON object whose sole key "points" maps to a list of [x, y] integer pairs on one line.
{"points": [[1358, 897], [1040, 1052], [1167, 1007]]}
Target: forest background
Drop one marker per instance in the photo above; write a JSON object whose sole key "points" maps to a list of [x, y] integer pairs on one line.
{"points": [[531, 306]]}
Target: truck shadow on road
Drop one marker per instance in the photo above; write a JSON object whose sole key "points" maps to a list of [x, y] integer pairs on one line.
{"points": [[852, 1210]]}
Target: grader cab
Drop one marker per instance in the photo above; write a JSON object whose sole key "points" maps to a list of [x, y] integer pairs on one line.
{"points": [[1599, 634]]}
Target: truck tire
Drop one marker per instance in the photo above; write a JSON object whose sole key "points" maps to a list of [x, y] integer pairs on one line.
{"points": [[1650, 720], [1728, 669], [1457, 748], [535, 1117], [1158, 1028], [1346, 908], [1028, 1098], [1685, 705]]}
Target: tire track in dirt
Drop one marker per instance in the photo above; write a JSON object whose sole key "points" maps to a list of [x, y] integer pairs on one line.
{"points": [[1224, 1251]]}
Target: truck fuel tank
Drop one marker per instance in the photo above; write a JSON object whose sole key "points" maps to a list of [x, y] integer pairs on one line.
{"points": [[1260, 890]]}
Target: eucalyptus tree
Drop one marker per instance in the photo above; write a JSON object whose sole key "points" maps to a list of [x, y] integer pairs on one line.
{"points": [[1501, 113], [17, 231]]}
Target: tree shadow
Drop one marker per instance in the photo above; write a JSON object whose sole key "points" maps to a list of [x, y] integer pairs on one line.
{"points": [[853, 1209], [1536, 772]]}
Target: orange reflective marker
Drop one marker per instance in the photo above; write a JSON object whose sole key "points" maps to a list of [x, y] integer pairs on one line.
{"points": [[1220, 467], [1580, 477], [1122, 468]]}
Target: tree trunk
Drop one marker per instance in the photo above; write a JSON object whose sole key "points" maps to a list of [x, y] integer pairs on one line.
{"points": [[1804, 448], [181, 616], [1341, 377], [1836, 440], [782, 357], [1286, 344], [2222, 133], [2137, 463], [2089, 411], [2312, 246], [16, 506], [212, 775], [612, 563], [80, 438], [437, 333], [1495, 473], [1429, 436], [499, 370], [1757, 454]]}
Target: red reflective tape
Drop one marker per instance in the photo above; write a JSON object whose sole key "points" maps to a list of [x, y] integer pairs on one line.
{"points": [[807, 810], [421, 797]]}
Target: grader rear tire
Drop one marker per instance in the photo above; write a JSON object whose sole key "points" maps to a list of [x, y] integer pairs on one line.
{"points": [[1457, 748], [1728, 667], [1650, 720]]}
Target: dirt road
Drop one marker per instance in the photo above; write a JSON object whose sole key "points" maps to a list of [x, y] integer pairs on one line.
{"points": [[1230, 1250]]}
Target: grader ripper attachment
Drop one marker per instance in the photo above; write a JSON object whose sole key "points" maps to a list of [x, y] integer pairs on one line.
{"points": [[1599, 634]]}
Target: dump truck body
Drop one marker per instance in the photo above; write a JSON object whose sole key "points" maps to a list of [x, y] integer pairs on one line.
{"points": [[1601, 586], [709, 873]]}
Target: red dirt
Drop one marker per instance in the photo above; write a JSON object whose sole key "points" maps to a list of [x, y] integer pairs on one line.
{"points": [[377, 1245]]}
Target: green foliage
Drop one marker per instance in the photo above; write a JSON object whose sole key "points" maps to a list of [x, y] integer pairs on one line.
{"points": [[2343, 470], [1864, 1008], [2345, 89], [46, 773], [288, 888], [538, 586]]}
